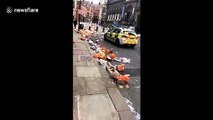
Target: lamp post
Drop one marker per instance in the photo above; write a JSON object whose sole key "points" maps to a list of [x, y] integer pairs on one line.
{"points": [[79, 15], [100, 12], [91, 11]]}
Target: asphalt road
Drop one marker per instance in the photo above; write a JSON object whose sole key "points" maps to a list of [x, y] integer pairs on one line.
{"points": [[133, 92]]}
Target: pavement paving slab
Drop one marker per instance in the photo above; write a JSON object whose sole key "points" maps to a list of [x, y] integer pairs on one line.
{"points": [[74, 72], [86, 52], [85, 58], [75, 58], [77, 52], [88, 72], [95, 86], [126, 115], [79, 86], [91, 64], [81, 42], [81, 46], [81, 63], [117, 99], [95, 107], [75, 114]]}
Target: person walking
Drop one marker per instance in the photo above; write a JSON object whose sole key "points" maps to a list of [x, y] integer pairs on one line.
{"points": [[75, 23]]}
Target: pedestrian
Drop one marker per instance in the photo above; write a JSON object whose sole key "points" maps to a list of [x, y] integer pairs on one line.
{"points": [[75, 23], [103, 29], [97, 28]]}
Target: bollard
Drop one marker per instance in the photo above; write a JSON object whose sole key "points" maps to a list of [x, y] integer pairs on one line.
{"points": [[97, 28], [103, 29]]}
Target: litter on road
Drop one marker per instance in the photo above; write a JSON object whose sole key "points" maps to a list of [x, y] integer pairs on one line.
{"points": [[104, 57], [122, 60]]}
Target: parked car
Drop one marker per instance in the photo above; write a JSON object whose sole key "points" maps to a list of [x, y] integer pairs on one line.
{"points": [[121, 36]]}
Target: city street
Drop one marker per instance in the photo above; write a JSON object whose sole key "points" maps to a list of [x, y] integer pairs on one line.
{"points": [[132, 93], [108, 13]]}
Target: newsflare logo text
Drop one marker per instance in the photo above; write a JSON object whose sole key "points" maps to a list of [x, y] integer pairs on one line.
{"points": [[11, 10]]}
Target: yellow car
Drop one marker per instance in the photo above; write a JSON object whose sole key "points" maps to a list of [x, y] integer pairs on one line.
{"points": [[121, 36]]}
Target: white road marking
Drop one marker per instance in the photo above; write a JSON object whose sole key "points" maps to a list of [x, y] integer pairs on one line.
{"points": [[78, 97]]}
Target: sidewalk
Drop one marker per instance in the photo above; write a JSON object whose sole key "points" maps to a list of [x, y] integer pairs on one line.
{"points": [[100, 28], [95, 96]]}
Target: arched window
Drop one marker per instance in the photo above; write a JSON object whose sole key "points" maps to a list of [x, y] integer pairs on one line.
{"points": [[118, 16], [113, 17], [110, 17]]}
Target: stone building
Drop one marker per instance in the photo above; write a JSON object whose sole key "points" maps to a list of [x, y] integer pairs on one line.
{"points": [[122, 11]]}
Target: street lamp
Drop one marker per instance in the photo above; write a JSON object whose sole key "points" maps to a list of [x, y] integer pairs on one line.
{"points": [[100, 12], [79, 15], [91, 10]]}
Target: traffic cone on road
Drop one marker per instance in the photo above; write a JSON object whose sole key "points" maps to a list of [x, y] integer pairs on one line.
{"points": [[120, 67]]}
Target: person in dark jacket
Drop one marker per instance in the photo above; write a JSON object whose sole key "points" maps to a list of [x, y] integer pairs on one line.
{"points": [[75, 23]]}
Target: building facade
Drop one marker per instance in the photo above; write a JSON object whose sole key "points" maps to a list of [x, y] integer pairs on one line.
{"points": [[88, 11], [74, 9], [84, 10], [122, 11]]}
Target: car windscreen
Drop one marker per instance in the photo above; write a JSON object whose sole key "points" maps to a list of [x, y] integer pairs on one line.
{"points": [[128, 32]]}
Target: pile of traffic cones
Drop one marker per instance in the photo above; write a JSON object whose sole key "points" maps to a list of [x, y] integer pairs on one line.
{"points": [[85, 34], [105, 56]]}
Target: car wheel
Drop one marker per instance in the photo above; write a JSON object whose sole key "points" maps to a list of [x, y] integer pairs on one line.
{"points": [[117, 42], [132, 46]]}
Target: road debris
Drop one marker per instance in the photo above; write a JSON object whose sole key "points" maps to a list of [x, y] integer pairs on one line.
{"points": [[105, 56], [122, 60]]}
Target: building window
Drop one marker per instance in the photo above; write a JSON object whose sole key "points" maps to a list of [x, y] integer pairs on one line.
{"points": [[115, 17], [118, 17]]}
